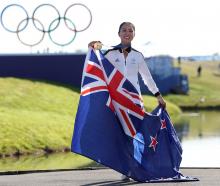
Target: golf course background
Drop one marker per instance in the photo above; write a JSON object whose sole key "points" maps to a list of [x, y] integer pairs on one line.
{"points": [[38, 117]]}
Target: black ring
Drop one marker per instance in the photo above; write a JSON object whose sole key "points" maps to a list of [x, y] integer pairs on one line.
{"points": [[79, 4], [31, 45], [58, 18], [27, 18], [64, 44]]}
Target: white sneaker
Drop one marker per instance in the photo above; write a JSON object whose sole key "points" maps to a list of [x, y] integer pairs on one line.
{"points": [[125, 178]]}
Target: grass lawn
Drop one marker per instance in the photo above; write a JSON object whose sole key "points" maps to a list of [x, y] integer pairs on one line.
{"points": [[204, 90], [37, 117]]}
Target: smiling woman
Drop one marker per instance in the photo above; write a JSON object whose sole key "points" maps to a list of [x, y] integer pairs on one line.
{"points": [[126, 32], [129, 61]]}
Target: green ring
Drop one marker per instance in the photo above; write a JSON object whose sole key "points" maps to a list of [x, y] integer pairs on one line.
{"points": [[60, 44]]}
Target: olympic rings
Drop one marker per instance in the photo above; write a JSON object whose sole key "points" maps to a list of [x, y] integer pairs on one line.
{"points": [[41, 27]]}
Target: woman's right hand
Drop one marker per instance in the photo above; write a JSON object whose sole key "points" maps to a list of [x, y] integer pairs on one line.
{"points": [[97, 45]]}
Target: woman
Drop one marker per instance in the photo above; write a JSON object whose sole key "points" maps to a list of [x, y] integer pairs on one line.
{"points": [[129, 61]]}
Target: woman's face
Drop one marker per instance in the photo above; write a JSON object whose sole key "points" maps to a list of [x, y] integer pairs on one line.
{"points": [[126, 34]]}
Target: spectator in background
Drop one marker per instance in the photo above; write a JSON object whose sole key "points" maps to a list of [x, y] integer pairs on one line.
{"points": [[179, 60], [199, 70]]}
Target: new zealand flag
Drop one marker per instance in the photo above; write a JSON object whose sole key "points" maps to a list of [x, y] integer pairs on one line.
{"points": [[112, 128]]}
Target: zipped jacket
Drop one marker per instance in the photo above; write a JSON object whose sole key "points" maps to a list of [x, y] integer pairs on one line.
{"points": [[131, 66]]}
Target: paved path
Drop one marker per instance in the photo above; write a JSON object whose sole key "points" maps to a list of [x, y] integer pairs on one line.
{"points": [[102, 177]]}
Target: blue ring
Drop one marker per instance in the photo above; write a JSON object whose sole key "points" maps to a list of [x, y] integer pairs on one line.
{"points": [[27, 19]]}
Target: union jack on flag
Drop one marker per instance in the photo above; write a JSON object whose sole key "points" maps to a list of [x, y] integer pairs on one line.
{"points": [[123, 99], [112, 128]]}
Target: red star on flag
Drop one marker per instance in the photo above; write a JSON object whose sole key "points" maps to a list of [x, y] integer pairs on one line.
{"points": [[153, 142], [163, 124]]}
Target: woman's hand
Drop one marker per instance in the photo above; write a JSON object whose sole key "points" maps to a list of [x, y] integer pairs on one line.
{"points": [[97, 45], [161, 101]]}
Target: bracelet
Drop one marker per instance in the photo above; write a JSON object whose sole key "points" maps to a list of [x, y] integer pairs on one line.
{"points": [[157, 94]]}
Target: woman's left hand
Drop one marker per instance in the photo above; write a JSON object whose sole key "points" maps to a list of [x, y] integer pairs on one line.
{"points": [[161, 101]]}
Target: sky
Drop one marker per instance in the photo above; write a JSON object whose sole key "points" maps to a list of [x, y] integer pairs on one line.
{"points": [[163, 27]]}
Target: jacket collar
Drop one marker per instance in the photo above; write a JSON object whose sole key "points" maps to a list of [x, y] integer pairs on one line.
{"points": [[120, 48]]}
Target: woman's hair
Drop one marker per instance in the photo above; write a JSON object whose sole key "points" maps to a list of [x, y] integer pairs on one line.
{"points": [[121, 25]]}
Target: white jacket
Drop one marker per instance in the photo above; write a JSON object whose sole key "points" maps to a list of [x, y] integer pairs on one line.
{"points": [[131, 66]]}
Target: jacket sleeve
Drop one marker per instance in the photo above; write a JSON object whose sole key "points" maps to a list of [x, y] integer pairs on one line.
{"points": [[147, 78]]}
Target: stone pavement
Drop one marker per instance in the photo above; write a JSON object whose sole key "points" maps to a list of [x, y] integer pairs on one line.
{"points": [[101, 177]]}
